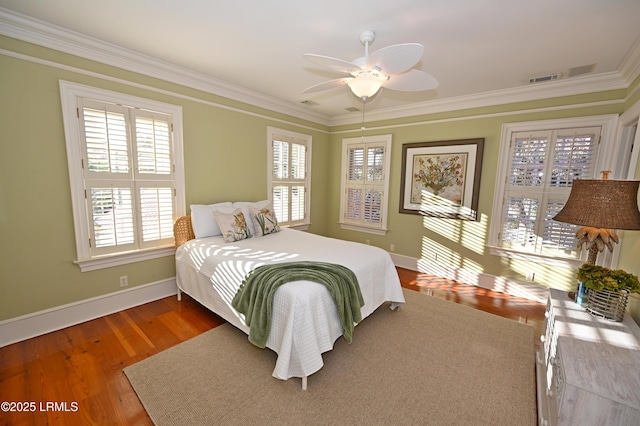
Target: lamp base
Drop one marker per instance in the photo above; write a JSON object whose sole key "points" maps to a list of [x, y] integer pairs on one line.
{"points": [[582, 296]]}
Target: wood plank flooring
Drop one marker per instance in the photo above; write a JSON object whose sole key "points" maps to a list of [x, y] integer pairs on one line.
{"points": [[74, 376]]}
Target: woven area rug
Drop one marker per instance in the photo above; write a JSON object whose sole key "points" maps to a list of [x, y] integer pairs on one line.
{"points": [[433, 362]]}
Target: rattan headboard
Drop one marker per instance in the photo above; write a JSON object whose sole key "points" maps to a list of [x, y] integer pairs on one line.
{"points": [[182, 230]]}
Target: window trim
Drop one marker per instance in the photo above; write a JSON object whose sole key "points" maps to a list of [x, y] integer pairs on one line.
{"points": [[307, 140], [69, 93], [630, 118], [605, 161], [387, 140]]}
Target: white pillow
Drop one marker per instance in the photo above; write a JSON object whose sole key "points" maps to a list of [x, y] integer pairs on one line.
{"points": [[246, 210], [203, 221]]}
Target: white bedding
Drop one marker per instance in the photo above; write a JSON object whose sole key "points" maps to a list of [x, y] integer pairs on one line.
{"points": [[305, 321]]}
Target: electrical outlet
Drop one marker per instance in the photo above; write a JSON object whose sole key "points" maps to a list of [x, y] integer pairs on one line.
{"points": [[393, 247], [124, 281], [367, 242]]}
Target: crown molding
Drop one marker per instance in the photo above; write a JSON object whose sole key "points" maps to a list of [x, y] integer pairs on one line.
{"points": [[31, 30], [630, 67], [34, 31], [628, 72], [534, 92]]}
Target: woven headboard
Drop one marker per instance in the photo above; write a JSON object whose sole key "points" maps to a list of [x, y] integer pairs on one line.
{"points": [[182, 230]]}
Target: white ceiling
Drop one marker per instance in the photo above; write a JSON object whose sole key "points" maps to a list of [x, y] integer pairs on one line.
{"points": [[472, 47]]}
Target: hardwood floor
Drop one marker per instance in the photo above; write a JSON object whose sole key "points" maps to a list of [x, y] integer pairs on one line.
{"points": [[504, 305], [74, 376]]}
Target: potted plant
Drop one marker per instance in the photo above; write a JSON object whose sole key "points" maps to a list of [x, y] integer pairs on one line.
{"points": [[608, 290]]}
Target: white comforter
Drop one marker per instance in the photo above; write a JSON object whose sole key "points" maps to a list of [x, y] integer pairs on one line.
{"points": [[305, 321]]}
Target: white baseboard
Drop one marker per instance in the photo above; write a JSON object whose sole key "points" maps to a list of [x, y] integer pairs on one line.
{"points": [[524, 289], [35, 324]]}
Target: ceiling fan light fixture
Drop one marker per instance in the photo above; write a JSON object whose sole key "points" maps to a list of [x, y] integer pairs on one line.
{"points": [[391, 67], [366, 84]]}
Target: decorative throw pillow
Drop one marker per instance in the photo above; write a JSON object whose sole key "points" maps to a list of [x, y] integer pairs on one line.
{"points": [[233, 225], [264, 220], [246, 206]]}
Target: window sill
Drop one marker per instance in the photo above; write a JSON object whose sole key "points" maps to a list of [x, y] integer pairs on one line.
{"points": [[564, 262], [108, 261], [375, 231], [299, 227]]}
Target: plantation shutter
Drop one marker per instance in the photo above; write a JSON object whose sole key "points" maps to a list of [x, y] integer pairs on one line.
{"points": [[365, 183], [154, 177], [355, 180], [129, 178], [542, 169], [289, 179]]}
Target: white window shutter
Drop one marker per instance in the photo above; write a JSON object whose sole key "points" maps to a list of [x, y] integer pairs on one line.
{"points": [[365, 169], [574, 156], [520, 222], [289, 177], [543, 165], [129, 177], [111, 209], [355, 173], [354, 204], [156, 213], [153, 146], [281, 203], [528, 158], [298, 161], [298, 202], [372, 206], [280, 159], [375, 163], [106, 147], [557, 236]]}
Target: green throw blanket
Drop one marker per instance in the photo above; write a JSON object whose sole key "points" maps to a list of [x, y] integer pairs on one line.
{"points": [[254, 298]]}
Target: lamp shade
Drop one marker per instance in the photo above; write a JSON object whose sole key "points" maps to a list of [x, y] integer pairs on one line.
{"points": [[365, 85], [611, 204]]}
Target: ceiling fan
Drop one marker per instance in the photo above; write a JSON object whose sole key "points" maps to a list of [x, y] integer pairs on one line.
{"points": [[389, 67]]}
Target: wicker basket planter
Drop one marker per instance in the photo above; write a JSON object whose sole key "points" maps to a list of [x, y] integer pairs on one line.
{"points": [[607, 304]]}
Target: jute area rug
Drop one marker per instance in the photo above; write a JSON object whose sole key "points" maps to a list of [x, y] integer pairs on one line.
{"points": [[433, 362]]}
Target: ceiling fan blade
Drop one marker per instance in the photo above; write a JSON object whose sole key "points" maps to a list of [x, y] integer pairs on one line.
{"points": [[333, 63], [412, 80], [395, 59], [328, 85]]}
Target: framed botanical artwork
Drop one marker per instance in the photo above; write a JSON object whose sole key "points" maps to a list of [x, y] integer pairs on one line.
{"points": [[441, 179]]}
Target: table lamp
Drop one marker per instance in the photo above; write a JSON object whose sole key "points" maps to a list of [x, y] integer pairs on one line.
{"points": [[601, 207]]}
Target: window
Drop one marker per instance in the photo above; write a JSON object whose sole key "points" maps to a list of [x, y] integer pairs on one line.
{"points": [[289, 176], [538, 164], [365, 183], [123, 171]]}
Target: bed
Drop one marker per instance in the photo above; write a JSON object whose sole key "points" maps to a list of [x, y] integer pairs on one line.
{"points": [[304, 322]]}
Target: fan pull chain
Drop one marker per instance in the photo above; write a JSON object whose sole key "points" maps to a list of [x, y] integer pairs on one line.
{"points": [[363, 128]]}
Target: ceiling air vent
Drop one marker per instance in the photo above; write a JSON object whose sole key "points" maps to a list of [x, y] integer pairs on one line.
{"points": [[584, 69], [352, 109], [543, 78], [309, 103]]}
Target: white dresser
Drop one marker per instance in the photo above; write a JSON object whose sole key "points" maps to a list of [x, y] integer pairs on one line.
{"points": [[588, 369]]}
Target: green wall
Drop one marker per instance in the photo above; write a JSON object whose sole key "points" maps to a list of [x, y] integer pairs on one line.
{"points": [[457, 243], [225, 159]]}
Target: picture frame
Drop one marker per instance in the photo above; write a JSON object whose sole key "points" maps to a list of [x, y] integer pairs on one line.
{"points": [[442, 178]]}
